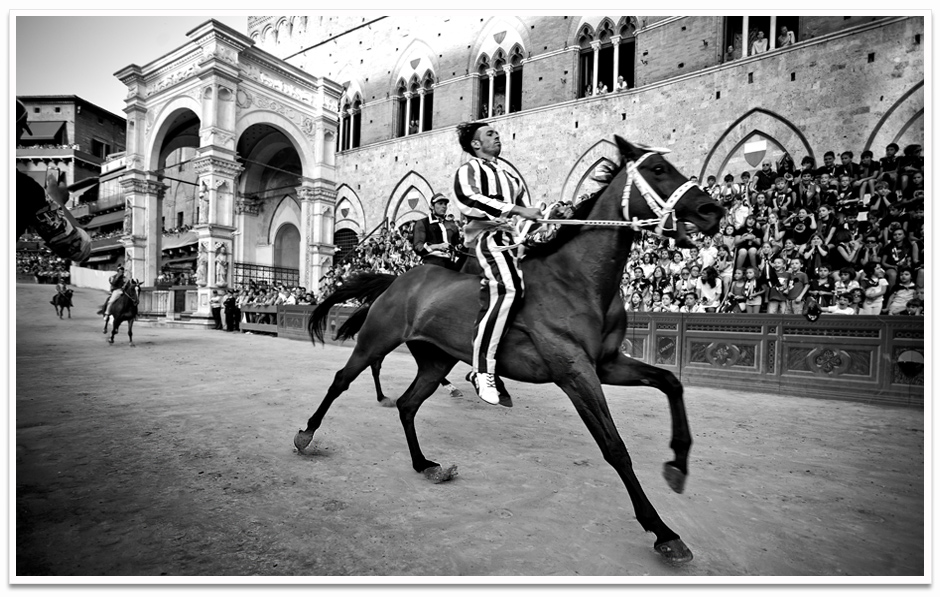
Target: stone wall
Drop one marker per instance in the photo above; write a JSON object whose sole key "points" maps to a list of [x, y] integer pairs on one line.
{"points": [[826, 94]]}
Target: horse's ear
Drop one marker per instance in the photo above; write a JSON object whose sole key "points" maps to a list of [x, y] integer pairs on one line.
{"points": [[628, 151]]}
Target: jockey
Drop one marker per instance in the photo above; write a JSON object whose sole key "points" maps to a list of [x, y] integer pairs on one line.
{"points": [[117, 285], [487, 194]]}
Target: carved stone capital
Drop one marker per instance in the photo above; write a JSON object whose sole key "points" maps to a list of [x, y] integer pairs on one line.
{"points": [[216, 165], [250, 205], [139, 186]]}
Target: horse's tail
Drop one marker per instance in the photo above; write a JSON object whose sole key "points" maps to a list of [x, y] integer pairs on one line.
{"points": [[364, 287], [352, 325]]}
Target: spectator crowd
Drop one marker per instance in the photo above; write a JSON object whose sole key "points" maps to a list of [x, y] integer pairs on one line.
{"points": [[42, 263]]}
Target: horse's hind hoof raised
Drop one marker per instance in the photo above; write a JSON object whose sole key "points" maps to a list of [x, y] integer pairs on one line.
{"points": [[438, 474], [674, 551], [388, 402], [302, 440], [674, 477]]}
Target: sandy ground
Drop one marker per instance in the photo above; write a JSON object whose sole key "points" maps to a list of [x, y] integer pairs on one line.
{"points": [[175, 458]]}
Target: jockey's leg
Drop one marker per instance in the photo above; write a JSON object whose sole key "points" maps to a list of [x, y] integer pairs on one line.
{"points": [[501, 288]]}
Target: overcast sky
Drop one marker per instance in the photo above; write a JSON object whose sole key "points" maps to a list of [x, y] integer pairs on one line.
{"points": [[78, 55]]}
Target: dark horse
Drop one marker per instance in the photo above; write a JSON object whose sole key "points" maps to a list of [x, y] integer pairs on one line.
{"points": [[558, 336], [124, 308], [61, 302]]}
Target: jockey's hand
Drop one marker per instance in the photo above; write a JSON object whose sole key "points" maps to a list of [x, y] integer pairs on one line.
{"points": [[565, 211], [529, 213]]}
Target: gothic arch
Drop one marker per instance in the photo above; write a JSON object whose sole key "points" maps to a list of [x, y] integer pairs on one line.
{"points": [[778, 129], [417, 57], [355, 219], [595, 23], [500, 32], [577, 181], [899, 122], [286, 212], [409, 181]]}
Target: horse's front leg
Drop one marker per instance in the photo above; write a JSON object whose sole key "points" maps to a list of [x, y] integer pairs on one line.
{"points": [[620, 370], [130, 331], [578, 378]]}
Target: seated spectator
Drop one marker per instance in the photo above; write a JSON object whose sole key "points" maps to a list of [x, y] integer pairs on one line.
{"points": [[901, 293], [710, 290], [846, 281], [911, 162], [875, 286], [869, 172], [899, 253], [691, 304], [842, 306], [889, 165]]}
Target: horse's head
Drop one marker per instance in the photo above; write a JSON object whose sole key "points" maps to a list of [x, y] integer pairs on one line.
{"points": [[656, 192], [131, 289]]}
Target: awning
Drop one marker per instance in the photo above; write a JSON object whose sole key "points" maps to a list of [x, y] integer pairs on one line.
{"points": [[100, 258], [179, 260], [173, 241], [43, 131], [105, 219]]}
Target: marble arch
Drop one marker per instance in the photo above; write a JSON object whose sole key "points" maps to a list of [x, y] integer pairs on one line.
{"points": [[902, 123], [353, 219], [401, 192]]}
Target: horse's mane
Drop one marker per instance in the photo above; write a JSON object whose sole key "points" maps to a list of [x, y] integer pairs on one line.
{"points": [[567, 232]]}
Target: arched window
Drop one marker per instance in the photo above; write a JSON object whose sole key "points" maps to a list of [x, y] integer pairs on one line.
{"points": [[350, 122], [427, 109], [345, 241], [402, 107], [483, 67], [287, 247], [410, 102], [606, 55]]}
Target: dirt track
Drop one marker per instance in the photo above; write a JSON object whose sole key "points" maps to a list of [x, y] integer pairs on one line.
{"points": [[175, 458]]}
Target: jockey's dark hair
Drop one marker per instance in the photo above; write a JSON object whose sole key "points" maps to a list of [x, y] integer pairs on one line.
{"points": [[466, 132]]}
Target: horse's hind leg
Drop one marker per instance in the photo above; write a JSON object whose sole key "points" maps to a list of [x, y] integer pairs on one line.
{"points": [[622, 370], [360, 359], [114, 330], [379, 395], [130, 331], [433, 365]]}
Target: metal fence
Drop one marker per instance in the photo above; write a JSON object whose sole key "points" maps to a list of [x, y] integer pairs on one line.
{"points": [[246, 272]]}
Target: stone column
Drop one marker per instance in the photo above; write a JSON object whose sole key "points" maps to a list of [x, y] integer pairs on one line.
{"points": [[217, 174], [341, 148], [317, 202], [615, 40], [491, 73], [773, 32], [507, 68], [596, 46], [408, 95], [745, 51], [421, 93], [352, 127], [142, 244]]}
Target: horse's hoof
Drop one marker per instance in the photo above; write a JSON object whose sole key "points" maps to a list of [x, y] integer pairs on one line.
{"points": [[438, 474], [302, 440], [388, 402], [674, 551], [505, 400], [674, 477]]}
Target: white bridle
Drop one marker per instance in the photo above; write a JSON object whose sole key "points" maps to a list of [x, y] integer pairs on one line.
{"points": [[663, 208]]}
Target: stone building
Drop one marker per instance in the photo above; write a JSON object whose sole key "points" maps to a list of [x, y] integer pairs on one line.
{"points": [[310, 130]]}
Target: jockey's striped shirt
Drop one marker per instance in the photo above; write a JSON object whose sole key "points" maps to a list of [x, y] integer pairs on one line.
{"points": [[487, 190]]}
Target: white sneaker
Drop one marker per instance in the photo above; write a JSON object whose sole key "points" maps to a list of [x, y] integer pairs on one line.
{"points": [[485, 385]]}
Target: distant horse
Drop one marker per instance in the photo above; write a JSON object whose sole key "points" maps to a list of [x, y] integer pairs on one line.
{"points": [[558, 336], [124, 308], [61, 302]]}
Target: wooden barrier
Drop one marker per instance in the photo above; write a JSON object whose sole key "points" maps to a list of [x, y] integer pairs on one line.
{"points": [[250, 311]]}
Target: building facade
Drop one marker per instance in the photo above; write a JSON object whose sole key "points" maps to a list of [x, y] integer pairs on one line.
{"points": [[310, 128]]}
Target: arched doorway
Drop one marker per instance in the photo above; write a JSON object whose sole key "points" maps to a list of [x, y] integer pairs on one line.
{"points": [[346, 241], [287, 247]]}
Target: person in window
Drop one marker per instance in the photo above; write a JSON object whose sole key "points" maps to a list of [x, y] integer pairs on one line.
{"points": [[413, 127], [588, 90], [786, 38], [602, 89], [621, 84], [760, 44]]}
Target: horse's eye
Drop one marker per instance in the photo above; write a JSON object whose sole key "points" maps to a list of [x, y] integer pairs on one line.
{"points": [[658, 170]]}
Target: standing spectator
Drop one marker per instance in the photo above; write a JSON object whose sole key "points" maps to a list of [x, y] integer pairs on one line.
{"points": [[857, 300], [231, 311], [786, 38], [846, 282], [729, 190], [724, 264], [807, 194], [800, 227], [874, 285], [747, 241], [215, 305], [777, 279], [635, 304], [708, 252], [753, 290], [815, 254], [761, 210], [738, 213], [845, 250], [870, 251], [737, 293], [774, 231], [621, 84], [797, 288]]}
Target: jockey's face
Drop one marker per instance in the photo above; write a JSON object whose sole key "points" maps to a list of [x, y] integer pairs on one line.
{"points": [[486, 143]]}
